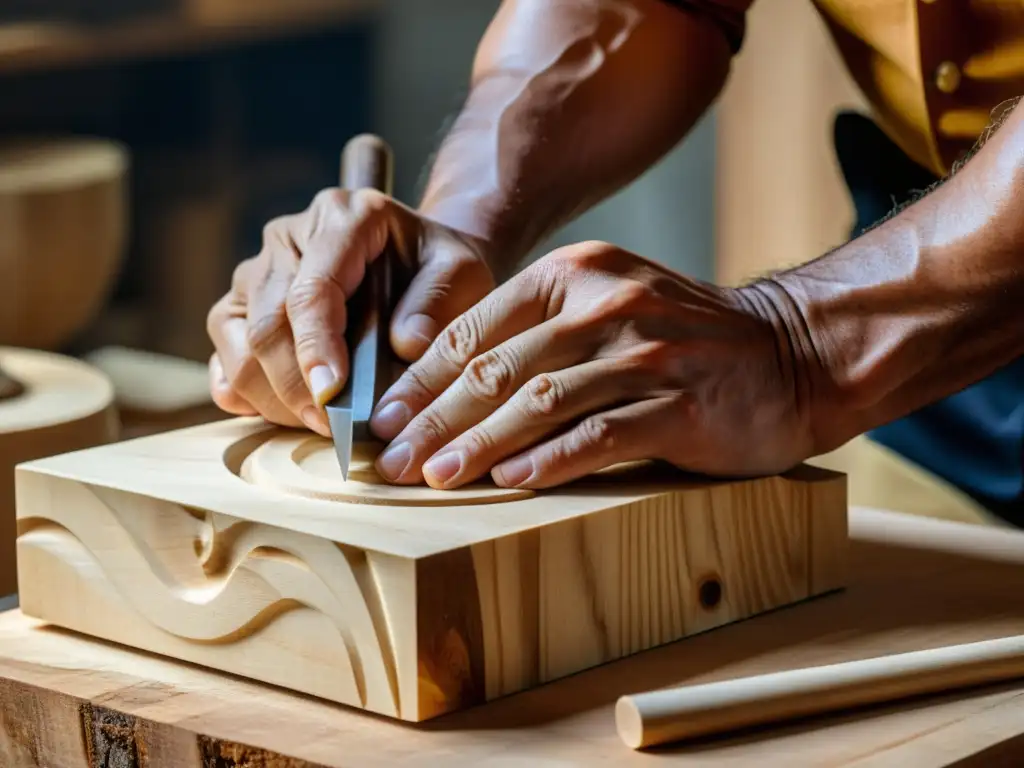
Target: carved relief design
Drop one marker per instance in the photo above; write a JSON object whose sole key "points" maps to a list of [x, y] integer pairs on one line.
{"points": [[195, 545], [210, 579]]}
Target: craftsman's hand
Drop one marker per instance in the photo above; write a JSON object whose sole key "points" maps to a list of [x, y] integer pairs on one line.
{"points": [[279, 332], [590, 357]]}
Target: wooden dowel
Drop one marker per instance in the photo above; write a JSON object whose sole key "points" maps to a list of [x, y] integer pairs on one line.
{"points": [[685, 712]]}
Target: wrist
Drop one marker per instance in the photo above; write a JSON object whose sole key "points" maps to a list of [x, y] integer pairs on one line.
{"points": [[827, 402]]}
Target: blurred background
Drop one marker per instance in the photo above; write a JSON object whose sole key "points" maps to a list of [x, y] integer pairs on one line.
{"points": [[145, 143], [196, 121]]}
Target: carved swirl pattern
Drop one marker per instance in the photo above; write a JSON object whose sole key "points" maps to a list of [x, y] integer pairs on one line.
{"points": [[210, 579], [305, 465]]}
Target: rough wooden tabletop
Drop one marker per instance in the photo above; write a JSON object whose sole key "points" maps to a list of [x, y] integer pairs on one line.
{"points": [[71, 702]]}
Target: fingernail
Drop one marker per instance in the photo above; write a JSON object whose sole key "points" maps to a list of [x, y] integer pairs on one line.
{"points": [[311, 418], [444, 468], [394, 461], [392, 419], [515, 472], [324, 384], [421, 327]]}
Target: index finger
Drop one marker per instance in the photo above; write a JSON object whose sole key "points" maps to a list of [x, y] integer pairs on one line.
{"points": [[346, 236], [520, 304]]}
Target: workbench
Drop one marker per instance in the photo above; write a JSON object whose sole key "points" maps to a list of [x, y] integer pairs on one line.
{"points": [[916, 583]]}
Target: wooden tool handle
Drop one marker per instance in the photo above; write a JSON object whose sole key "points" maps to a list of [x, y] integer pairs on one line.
{"points": [[672, 714], [367, 163]]}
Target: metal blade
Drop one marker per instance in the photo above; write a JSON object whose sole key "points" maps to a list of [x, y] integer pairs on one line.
{"points": [[340, 420], [349, 413]]}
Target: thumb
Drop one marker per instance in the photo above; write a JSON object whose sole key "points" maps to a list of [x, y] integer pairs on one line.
{"points": [[445, 287]]}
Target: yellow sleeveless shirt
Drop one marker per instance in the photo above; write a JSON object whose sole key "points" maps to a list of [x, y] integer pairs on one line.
{"points": [[934, 71]]}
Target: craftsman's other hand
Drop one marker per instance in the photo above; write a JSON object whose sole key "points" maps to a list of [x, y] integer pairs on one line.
{"points": [[279, 332], [590, 357]]}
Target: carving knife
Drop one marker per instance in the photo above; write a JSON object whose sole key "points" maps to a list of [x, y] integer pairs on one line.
{"points": [[366, 163]]}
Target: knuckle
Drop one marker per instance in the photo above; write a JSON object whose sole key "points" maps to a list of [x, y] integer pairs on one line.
{"points": [[275, 229], [449, 254], [543, 395], [595, 433], [633, 295], [434, 293], [215, 317], [432, 426], [240, 377], [687, 410], [659, 359], [241, 274], [459, 341], [330, 198], [479, 441], [369, 202], [559, 454], [414, 383], [627, 299], [489, 376], [226, 400], [328, 210], [266, 330], [583, 256], [307, 345], [306, 292]]}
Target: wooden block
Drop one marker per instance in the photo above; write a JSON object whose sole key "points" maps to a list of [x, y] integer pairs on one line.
{"points": [[70, 701], [237, 546]]}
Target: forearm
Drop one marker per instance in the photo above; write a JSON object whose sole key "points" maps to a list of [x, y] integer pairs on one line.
{"points": [[918, 308], [569, 102]]}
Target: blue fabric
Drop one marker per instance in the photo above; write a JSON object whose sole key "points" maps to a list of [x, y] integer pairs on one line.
{"points": [[973, 439]]}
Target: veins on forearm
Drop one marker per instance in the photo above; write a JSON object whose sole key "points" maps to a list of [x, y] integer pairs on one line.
{"points": [[928, 301], [524, 124], [569, 102]]}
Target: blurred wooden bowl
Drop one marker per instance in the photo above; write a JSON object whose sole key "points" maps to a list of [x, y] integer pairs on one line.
{"points": [[63, 233]]}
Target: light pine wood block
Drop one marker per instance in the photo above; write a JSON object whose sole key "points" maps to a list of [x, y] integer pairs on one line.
{"points": [[237, 546]]}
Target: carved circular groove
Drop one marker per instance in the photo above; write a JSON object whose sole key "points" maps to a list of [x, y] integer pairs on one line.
{"points": [[305, 465]]}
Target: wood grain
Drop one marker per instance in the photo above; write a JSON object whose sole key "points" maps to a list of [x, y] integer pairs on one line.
{"points": [[915, 584], [413, 607], [64, 405]]}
